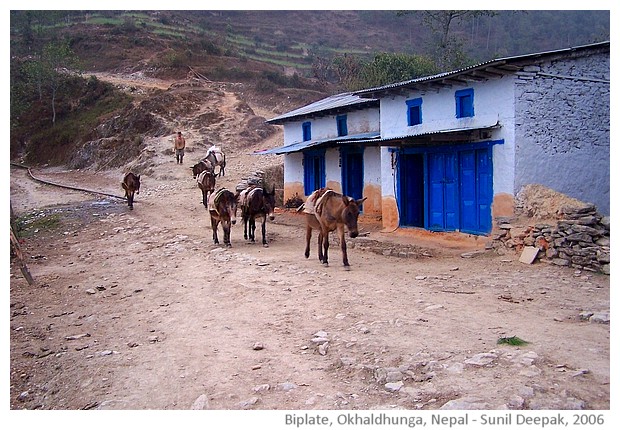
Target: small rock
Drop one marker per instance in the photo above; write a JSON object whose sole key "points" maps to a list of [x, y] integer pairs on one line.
{"points": [[465, 403], [323, 348], [261, 388], [482, 359], [529, 254], [91, 291], [600, 317], [258, 346], [286, 386], [394, 386], [201, 403], [246, 404]]}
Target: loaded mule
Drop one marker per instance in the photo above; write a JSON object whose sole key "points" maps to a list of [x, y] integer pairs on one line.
{"points": [[217, 158], [223, 209], [131, 185], [256, 202], [201, 166], [206, 183], [327, 211]]}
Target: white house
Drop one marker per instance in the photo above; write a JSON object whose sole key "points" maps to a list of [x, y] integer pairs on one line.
{"points": [[321, 149], [451, 151]]}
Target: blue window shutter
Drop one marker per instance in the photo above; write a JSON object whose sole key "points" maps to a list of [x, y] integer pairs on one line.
{"points": [[341, 124], [306, 131], [414, 112], [464, 103]]}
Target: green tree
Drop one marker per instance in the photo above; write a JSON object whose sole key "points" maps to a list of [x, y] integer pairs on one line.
{"points": [[57, 59], [387, 68], [347, 70]]}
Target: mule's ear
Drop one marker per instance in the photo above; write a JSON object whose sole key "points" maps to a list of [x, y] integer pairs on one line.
{"points": [[346, 200], [138, 176], [360, 201]]}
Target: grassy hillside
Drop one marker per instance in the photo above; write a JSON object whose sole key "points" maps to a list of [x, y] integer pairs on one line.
{"points": [[281, 58], [294, 39]]}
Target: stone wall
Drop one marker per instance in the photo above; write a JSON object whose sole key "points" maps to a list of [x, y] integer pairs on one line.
{"points": [[579, 239], [562, 126]]}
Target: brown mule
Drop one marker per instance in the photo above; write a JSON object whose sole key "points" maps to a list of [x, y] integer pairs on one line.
{"points": [[131, 185], [327, 211]]}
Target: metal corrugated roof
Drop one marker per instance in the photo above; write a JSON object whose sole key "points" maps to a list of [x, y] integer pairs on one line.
{"points": [[300, 146], [337, 101], [485, 126], [488, 64]]}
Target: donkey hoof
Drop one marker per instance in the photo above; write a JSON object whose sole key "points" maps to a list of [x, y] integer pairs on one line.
{"points": [[347, 268]]}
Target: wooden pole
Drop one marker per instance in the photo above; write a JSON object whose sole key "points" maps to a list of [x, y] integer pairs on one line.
{"points": [[19, 254]]}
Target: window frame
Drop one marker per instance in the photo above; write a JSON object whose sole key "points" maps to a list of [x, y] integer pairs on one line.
{"points": [[464, 110], [414, 105], [306, 131], [341, 125]]}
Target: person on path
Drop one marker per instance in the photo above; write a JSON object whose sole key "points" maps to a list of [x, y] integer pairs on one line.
{"points": [[179, 147]]}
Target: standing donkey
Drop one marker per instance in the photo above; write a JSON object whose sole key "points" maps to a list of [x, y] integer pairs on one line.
{"points": [[223, 209], [131, 185], [206, 183], [327, 211], [254, 203]]}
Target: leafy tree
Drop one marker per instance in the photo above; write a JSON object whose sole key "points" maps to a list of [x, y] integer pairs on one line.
{"points": [[387, 68], [56, 60], [347, 69]]}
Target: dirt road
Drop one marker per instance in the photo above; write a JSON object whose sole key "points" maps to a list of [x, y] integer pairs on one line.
{"points": [[140, 310]]}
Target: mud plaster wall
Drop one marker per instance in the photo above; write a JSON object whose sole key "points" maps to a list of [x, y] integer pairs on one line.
{"points": [[390, 213], [292, 189], [503, 205], [562, 125]]}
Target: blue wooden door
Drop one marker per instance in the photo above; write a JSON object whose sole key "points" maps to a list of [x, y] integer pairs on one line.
{"points": [[443, 191], [484, 176], [476, 189], [353, 174], [411, 189], [469, 211], [314, 171]]}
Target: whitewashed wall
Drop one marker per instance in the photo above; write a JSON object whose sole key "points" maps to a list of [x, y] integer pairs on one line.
{"points": [[294, 168], [358, 121], [494, 100]]}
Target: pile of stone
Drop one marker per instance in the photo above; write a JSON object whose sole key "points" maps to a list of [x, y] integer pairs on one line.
{"points": [[580, 239], [254, 179]]}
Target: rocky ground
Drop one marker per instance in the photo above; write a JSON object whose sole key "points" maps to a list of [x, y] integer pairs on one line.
{"points": [[139, 310]]}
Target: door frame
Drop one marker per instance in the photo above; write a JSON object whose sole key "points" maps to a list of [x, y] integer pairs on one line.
{"points": [[425, 150]]}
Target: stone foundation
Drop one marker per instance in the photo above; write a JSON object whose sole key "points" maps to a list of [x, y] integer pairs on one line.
{"points": [[579, 239]]}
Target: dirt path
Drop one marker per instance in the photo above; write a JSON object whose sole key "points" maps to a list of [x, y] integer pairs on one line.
{"points": [[162, 317], [139, 310]]}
